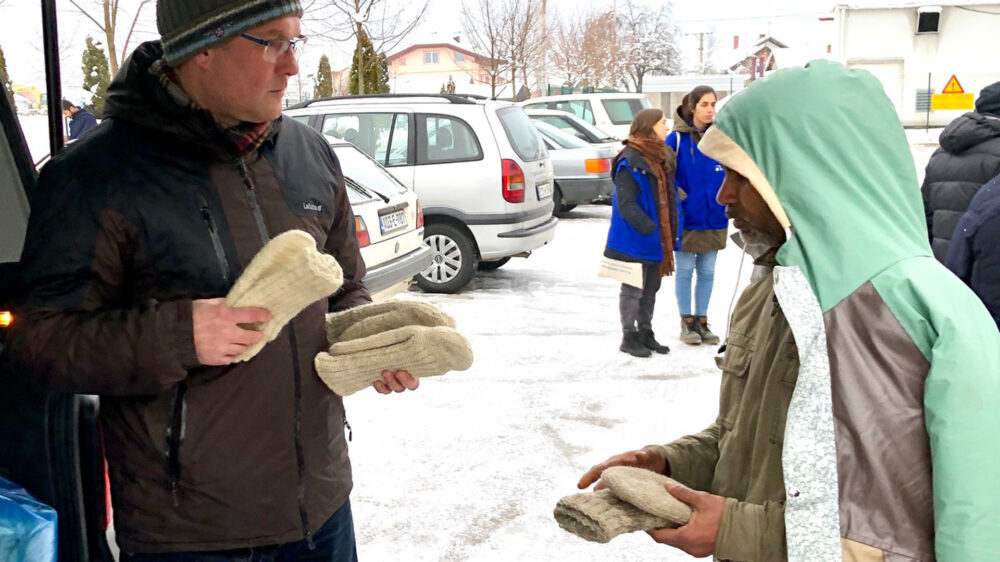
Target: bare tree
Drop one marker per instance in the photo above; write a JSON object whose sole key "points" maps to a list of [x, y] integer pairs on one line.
{"points": [[648, 43], [566, 48], [521, 37], [484, 23], [109, 25], [385, 22]]}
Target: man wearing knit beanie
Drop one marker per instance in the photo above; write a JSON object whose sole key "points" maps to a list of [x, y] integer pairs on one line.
{"points": [[137, 233]]}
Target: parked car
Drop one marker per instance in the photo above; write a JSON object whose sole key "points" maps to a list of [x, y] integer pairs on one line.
{"points": [[582, 170], [389, 222], [481, 171], [609, 112], [575, 126]]}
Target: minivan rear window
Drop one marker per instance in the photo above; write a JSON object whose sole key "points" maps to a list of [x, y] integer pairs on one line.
{"points": [[621, 112], [522, 134]]}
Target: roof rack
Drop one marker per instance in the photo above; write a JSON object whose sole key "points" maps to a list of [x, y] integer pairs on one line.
{"points": [[452, 98]]}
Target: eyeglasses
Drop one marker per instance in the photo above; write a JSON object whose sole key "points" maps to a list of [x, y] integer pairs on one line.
{"points": [[274, 48]]}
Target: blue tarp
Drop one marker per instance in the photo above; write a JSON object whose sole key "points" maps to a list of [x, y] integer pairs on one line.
{"points": [[27, 526]]}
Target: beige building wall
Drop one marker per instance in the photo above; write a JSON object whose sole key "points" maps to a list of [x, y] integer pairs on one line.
{"points": [[425, 68]]}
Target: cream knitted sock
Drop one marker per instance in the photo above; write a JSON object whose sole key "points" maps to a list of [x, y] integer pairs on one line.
{"points": [[600, 516], [645, 490], [423, 351], [287, 275], [369, 319]]}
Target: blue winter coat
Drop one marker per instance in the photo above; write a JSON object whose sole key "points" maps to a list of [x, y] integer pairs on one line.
{"points": [[635, 225], [974, 251], [700, 177], [81, 122]]}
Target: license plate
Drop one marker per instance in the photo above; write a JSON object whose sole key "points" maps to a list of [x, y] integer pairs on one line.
{"points": [[392, 221], [544, 190]]}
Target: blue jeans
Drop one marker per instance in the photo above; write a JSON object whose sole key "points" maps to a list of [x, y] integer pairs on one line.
{"points": [[687, 263], [334, 542]]}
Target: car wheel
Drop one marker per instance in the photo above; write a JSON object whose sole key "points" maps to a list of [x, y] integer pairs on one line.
{"points": [[492, 265], [454, 259], [558, 207]]}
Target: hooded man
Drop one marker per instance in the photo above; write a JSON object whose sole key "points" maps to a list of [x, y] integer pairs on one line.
{"points": [[80, 120], [136, 231], [969, 157], [857, 417]]}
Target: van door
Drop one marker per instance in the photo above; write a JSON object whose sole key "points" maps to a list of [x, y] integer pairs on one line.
{"points": [[450, 171], [49, 441]]}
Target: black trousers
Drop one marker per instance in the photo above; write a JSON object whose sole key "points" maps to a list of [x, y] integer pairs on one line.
{"points": [[636, 305]]}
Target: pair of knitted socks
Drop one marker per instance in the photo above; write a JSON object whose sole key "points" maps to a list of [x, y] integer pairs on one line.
{"points": [[396, 335], [634, 500]]}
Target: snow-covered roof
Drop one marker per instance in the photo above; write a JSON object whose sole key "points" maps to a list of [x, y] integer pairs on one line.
{"points": [[888, 4], [688, 82]]}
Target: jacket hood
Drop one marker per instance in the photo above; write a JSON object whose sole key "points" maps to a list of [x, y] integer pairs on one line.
{"points": [[968, 131], [825, 149], [136, 96], [681, 124]]}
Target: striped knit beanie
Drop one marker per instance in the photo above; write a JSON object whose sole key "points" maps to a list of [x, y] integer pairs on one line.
{"points": [[188, 27]]}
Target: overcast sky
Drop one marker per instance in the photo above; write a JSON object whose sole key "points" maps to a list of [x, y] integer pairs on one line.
{"points": [[791, 21]]}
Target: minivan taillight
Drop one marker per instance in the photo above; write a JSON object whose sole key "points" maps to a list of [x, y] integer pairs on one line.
{"points": [[362, 231], [420, 215], [513, 182]]}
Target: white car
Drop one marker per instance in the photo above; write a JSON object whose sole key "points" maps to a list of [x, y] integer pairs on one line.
{"points": [[389, 223], [480, 169], [609, 112]]}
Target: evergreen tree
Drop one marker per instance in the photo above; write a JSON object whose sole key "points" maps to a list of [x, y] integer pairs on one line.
{"points": [[324, 79], [3, 72], [96, 76], [375, 75]]}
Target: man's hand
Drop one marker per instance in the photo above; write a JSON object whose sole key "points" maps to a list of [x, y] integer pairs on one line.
{"points": [[218, 338], [697, 538], [396, 381], [650, 459]]}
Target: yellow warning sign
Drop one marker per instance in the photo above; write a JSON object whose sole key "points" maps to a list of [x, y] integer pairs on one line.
{"points": [[950, 102], [953, 87]]}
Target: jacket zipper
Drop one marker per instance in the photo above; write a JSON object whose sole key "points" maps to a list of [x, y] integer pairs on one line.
{"points": [[213, 231], [176, 429], [251, 193]]}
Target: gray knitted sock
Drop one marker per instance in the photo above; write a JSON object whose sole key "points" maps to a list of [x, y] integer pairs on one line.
{"points": [[287, 275], [423, 351], [370, 319], [645, 490], [600, 516]]}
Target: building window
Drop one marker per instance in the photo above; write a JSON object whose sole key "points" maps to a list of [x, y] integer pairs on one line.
{"points": [[431, 57], [928, 19], [459, 57]]}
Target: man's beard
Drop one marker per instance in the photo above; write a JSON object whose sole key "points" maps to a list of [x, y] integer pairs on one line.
{"points": [[760, 240]]}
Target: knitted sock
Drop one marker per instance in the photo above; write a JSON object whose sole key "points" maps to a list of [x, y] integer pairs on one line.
{"points": [[369, 319], [645, 490], [287, 275], [423, 351], [600, 516]]}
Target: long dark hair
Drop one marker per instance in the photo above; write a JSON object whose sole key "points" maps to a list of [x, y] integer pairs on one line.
{"points": [[643, 122], [692, 98]]}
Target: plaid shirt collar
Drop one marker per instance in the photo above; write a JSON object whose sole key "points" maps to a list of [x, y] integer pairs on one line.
{"points": [[247, 137]]}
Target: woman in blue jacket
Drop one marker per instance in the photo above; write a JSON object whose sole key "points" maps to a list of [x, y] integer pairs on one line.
{"points": [[643, 215], [703, 220]]}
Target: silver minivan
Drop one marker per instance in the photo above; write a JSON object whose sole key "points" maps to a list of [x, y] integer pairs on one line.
{"points": [[483, 175]]}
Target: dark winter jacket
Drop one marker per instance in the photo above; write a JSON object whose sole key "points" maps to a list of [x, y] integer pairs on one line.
{"points": [[974, 251], [700, 178], [81, 122], [968, 158], [152, 210], [634, 234]]}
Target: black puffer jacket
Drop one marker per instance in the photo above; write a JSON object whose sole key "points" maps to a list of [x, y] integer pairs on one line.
{"points": [[974, 252], [968, 158], [152, 209]]}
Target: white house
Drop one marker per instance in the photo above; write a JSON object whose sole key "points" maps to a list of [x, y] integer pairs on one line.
{"points": [[908, 44]]}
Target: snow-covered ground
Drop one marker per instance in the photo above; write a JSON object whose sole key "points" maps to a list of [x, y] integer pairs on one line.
{"points": [[470, 466]]}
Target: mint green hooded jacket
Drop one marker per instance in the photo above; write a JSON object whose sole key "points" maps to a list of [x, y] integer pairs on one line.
{"points": [[891, 445]]}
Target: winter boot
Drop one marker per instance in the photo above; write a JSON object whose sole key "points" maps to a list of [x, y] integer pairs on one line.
{"points": [[689, 330], [632, 345], [707, 337], [648, 341]]}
